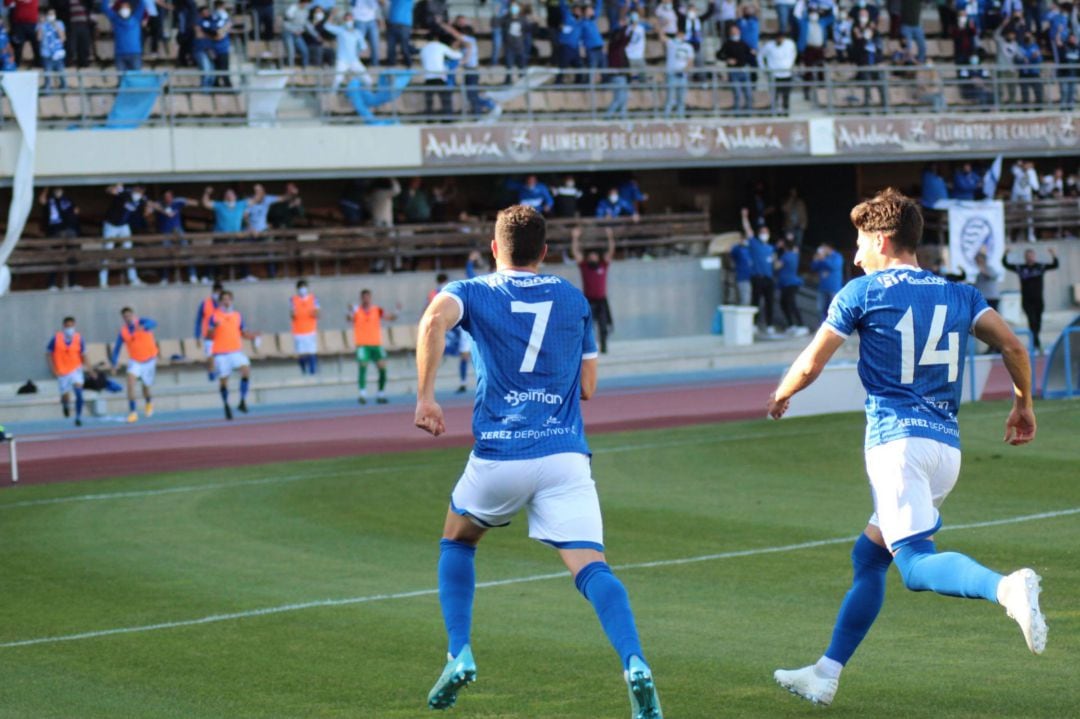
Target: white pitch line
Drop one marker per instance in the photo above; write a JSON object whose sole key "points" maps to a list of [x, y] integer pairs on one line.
{"points": [[214, 618]]}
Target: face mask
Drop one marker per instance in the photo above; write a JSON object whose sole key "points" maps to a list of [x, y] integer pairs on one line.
{"points": [[50, 18], [570, 183], [125, 12], [136, 196], [764, 236], [69, 332], [318, 17], [735, 38], [692, 15], [864, 19], [961, 19], [514, 10], [633, 17], [613, 198], [303, 292]]}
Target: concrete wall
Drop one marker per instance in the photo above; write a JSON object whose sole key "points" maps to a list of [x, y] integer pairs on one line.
{"points": [[661, 298]]}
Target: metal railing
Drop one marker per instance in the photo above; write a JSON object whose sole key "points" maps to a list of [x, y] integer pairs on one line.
{"points": [[1047, 219], [191, 97]]}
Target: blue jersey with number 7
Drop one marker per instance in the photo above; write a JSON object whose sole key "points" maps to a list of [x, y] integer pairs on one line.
{"points": [[530, 333], [913, 328]]}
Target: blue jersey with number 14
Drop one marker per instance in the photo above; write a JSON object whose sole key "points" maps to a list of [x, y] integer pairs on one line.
{"points": [[530, 333], [913, 328]]}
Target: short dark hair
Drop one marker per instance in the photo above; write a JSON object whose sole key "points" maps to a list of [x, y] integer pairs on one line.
{"points": [[67, 319], [226, 292], [301, 283], [365, 292], [892, 213], [126, 309], [218, 287], [519, 233], [441, 277]]}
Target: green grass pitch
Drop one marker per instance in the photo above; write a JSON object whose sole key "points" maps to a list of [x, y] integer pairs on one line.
{"points": [[172, 548]]}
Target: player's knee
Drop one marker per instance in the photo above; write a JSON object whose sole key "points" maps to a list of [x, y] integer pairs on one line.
{"points": [[909, 558]]}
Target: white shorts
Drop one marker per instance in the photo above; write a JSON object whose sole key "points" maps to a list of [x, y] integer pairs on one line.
{"points": [[208, 347], [144, 371], [910, 478], [464, 343], [70, 380], [306, 344], [557, 492], [224, 364]]}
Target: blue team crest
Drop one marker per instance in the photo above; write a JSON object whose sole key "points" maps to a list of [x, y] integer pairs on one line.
{"points": [[976, 234]]}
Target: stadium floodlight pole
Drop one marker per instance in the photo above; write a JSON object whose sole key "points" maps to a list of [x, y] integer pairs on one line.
{"points": [[14, 456]]}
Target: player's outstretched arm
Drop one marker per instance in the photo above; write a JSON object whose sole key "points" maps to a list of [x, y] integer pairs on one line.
{"points": [[441, 315], [805, 370], [992, 329]]}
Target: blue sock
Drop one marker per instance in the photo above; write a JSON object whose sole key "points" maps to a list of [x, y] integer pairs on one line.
{"points": [[463, 370], [131, 405], [949, 573], [863, 601], [78, 402], [243, 388], [210, 376], [608, 597], [302, 361], [313, 364], [457, 584], [225, 395]]}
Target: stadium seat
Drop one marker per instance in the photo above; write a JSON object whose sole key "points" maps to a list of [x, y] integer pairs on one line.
{"points": [[170, 349], [332, 342], [193, 349], [202, 104], [404, 337], [286, 344], [350, 338], [97, 353]]}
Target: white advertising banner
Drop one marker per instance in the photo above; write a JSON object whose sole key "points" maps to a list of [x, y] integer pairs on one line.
{"points": [[264, 94], [21, 89], [974, 228]]}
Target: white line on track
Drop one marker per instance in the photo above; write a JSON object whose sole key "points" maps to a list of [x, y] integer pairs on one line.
{"points": [[101, 496], [214, 618]]}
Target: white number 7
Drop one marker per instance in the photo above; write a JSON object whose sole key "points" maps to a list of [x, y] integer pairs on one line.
{"points": [[931, 355], [542, 310]]}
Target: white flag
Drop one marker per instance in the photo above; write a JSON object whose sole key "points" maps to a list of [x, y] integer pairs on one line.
{"points": [[991, 178]]}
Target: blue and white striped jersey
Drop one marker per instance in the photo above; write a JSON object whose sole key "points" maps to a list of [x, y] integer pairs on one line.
{"points": [[530, 333], [913, 328]]}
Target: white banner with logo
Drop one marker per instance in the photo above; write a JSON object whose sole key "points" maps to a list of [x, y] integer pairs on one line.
{"points": [[21, 89], [974, 228], [264, 93]]}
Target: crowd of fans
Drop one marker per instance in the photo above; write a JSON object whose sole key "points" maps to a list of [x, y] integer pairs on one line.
{"points": [[620, 35]]}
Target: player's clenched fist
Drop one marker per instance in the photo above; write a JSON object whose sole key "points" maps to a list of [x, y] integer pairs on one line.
{"points": [[429, 417]]}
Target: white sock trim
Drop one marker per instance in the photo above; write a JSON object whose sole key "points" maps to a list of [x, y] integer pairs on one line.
{"points": [[829, 668]]}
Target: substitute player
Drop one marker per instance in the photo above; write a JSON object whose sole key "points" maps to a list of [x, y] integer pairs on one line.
{"points": [[536, 361], [304, 313], [202, 325], [137, 334], [367, 327], [66, 355], [227, 331], [912, 328], [458, 342]]}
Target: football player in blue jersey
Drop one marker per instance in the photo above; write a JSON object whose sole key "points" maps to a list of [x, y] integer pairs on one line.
{"points": [[912, 329], [535, 360]]}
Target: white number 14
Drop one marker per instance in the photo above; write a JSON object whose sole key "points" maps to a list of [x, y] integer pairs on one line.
{"points": [[931, 355]]}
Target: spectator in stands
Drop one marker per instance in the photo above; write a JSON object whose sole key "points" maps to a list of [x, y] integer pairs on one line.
{"points": [[1008, 58], [368, 15], [185, 19], [778, 58], [738, 58], [51, 37], [592, 41], [78, 31], [966, 182], [154, 25], [946, 17], [221, 44], [934, 189], [229, 212], [974, 79], [1052, 186], [692, 26], [350, 44], [1025, 184], [762, 256], [7, 53], [380, 201], [1070, 71], [316, 37], [789, 282], [893, 7], [630, 191], [465, 39], [750, 28], [842, 38], [60, 218], [965, 37], [867, 52], [535, 194], [399, 31], [203, 45], [679, 58], [1031, 289], [127, 34], [414, 205], [636, 44], [911, 26], [743, 264], [23, 16], [433, 57], [569, 41], [288, 209], [554, 20], [784, 15], [125, 205], [667, 19], [795, 216], [293, 25], [516, 28], [566, 198], [258, 209], [986, 281], [499, 10], [618, 77], [1030, 61], [594, 274], [1056, 25], [813, 54], [614, 206], [829, 266], [723, 13], [262, 19], [820, 13]]}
